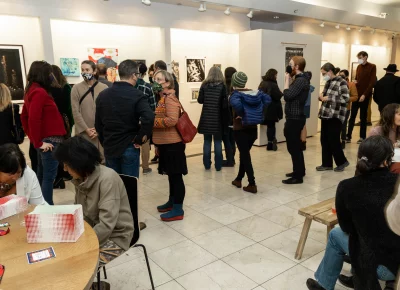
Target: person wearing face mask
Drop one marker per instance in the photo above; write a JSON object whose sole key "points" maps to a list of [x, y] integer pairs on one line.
{"points": [[170, 147], [334, 98], [16, 177], [365, 82], [83, 101], [295, 95], [43, 124], [118, 112], [273, 113], [353, 98]]}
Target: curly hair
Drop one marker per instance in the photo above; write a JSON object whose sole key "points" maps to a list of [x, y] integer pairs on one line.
{"points": [[387, 119]]}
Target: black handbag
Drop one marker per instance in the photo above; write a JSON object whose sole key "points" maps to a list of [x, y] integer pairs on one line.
{"points": [[17, 132]]}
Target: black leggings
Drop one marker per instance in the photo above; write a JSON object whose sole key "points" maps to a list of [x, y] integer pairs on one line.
{"points": [[271, 130], [176, 188], [244, 141]]}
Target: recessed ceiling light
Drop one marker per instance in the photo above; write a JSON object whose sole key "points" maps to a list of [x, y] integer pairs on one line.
{"points": [[250, 15], [276, 17], [146, 2], [383, 15], [322, 24], [227, 11], [337, 26], [348, 28], [203, 7]]}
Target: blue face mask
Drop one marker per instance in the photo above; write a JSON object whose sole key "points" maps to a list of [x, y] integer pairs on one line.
{"points": [[87, 76]]}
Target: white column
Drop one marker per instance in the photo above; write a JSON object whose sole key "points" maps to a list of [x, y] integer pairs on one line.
{"points": [[47, 39]]}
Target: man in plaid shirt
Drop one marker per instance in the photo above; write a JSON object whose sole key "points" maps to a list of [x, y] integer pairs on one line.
{"points": [[334, 98], [141, 85]]}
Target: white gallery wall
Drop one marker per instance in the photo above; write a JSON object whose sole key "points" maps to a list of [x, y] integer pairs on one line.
{"points": [[261, 50], [215, 47], [17, 34], [73, 38]]}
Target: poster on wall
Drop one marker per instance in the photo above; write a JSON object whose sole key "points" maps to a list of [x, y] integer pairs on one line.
{"points": [[195, 95], [196, 70], [291, 52], [70, 67], [354, 66], [12, 70], [175, 70], [107, 56]]}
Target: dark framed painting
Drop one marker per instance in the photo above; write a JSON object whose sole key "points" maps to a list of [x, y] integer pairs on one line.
{"points": [[196, 70], [354, 66], [13, 70]]}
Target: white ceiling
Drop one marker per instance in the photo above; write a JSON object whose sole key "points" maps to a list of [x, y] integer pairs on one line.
{"points": [[393, 3]]}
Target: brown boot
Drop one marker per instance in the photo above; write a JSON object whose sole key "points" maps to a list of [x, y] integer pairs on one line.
{"points": [[237, 183], [250, 188]]}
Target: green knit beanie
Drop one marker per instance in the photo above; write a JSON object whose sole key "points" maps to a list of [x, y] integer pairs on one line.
{"points": [[239, 80]]}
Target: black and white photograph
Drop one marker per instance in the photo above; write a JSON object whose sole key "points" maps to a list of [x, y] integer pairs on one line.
{"points": [[196, 70], [195, 95], [12, 70], [291, 52]]}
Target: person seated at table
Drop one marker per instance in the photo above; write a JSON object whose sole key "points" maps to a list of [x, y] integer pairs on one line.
{"points": [[389, 127], [363, 233], [102, 194], [16, 177]]}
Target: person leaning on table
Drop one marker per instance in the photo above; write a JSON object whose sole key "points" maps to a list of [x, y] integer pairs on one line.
{"points": [[102, 194], [18, 178]]}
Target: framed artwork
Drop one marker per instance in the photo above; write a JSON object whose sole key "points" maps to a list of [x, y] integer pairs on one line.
{"points": [[291, 52], [107, 56], [13, 70], [354, 66], [195, 70], [139, 61], [218, 65], [70, 67], [195, 95], [175, 69]]}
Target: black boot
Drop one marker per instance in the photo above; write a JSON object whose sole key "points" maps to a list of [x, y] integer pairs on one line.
{"points": [[313, 285], [346, 281], [230, 162], [275, 145], [59, 183], [270, 146]]}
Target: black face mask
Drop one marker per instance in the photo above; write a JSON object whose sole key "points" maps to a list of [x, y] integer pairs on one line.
{"points": [[289, 69], [151, 80]]}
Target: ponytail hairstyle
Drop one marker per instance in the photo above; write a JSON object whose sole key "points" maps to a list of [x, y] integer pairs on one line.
{"points": [[373, 153], [336, 71]]}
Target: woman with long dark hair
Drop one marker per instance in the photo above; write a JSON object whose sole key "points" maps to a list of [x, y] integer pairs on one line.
{"points": [[43, 124], [213, 95], [389, 124], [83, 101], [273, 113]]}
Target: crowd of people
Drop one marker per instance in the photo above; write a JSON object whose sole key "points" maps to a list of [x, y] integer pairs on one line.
{"points": [[117, 123]]}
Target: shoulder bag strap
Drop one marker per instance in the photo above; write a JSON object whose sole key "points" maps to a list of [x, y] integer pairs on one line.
{"points": [[90, 90], [12, 110]]}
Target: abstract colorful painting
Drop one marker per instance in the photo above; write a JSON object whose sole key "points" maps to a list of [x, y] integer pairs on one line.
{"points": [[70, 67], [107, 56]]}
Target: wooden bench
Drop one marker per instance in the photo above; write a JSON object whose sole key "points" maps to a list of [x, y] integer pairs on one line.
{"points": [[319, 212]]}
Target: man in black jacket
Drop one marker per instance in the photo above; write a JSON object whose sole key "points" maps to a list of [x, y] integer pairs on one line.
{"points": [[387, 89], [118, 111], [161, 65]]}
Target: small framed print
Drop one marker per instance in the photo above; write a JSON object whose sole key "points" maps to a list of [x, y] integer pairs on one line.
{"points": [[195, 95]]}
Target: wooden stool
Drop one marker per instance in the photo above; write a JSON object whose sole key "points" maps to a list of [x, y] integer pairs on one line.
{"points": [[320, 212]]}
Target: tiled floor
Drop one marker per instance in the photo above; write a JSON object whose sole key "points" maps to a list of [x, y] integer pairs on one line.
{"points": [[229, 239]]}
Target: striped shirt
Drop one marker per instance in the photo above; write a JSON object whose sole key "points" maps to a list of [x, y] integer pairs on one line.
{"points": [[167, 114]]}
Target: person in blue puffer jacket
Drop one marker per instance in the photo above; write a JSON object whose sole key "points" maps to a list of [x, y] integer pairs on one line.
{"points": [[248, 107]]}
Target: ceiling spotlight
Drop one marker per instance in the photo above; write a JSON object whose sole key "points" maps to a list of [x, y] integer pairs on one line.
{"points": [[337, 26], [203, 7], [276, 17], [360, 30], [227, 11], [383, 15], [322, 24], [372, 31], [146, 2], [250, 15], [348, 28]]}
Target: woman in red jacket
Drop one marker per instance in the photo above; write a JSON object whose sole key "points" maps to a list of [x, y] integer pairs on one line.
{"points": [[43, 124]]}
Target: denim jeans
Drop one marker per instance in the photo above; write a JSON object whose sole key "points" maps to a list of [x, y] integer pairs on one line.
{"points": [[331, 265], [217, 151], [46, 172], [128, 163], [230, 145]]}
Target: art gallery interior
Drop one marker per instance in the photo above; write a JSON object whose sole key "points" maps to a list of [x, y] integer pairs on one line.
{"points": [[252, 36]]}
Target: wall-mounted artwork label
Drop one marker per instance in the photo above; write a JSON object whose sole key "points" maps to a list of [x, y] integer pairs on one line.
{"points": [[70, 67], [291, 52], [196, 70], [107, 56], [175, 70], [12, 70], [195, 95]]}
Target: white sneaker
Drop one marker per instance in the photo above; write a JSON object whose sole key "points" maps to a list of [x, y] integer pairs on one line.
{"points": [[147, 171]]}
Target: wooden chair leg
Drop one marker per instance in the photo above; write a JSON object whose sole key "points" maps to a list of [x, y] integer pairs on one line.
{"points": [[303, 238], [328, 230]]}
